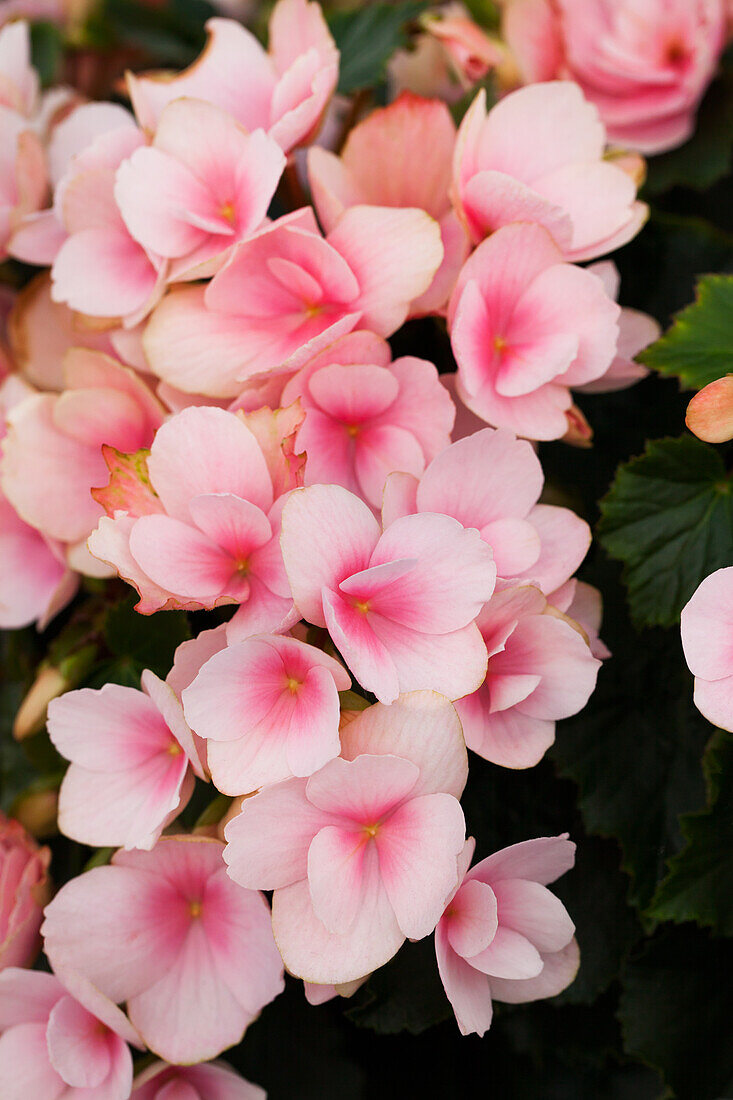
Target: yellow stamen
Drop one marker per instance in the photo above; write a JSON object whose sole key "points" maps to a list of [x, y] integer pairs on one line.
{"points": [[293, 684], [500, 343], [362, 605], [194, 908], [371, 830], [174, 749], [352, 430], [228, 212]]}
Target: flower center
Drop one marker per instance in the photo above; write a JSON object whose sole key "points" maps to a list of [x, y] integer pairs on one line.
{"points": [[174, 749], [194, 908], [500, 344], [228, 212], [372, 830], [293, 684], [352, 430], [362, 606]]}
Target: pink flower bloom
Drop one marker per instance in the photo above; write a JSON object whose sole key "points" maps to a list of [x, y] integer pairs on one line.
{"points": [[269, 709], [399, 605], [284, 91], [706, 625], [193, 953], [35, 581], [209, 1081], [540, 669], [471, 52], [207, 532], [23, 182], [133, 760], [636, 331], [377, 167], [52, 456], [537, 156], [492, 481], [61, 1041], [287, 292], [367, 416], [203, 186], [25, 890], [503, 935], [524, 328], [41, 332], [100, 269], [644, 66], [364, 853]]}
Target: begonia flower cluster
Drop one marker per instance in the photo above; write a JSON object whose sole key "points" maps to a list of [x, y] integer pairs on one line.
{"points": [[199, 398]]}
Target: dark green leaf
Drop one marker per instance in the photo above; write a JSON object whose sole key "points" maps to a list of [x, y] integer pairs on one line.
{"points": [[367, 37], [145, 641], [706, 158], [676, 1009], [405, 995], [699, 886], [669, 518], [635, 754], [699, 346]]}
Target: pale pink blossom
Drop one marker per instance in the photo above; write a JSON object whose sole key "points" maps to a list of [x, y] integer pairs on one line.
{"points": [[133, 761], [364, 853], [537, 156], [23, 181], [41, 332], [504, 936], [24, 890], [399, 605], [52, 456], [208, 1081], [636, 331], [204, 529], [525, 327], [100, 269], [201, 187], [61, 1040], [472, 54], [288, 292], [168, 932], [35, 580], [540, 669], [492, 481], [707, 629], [645, 66], [284, 91], [269, 709], [377, 167], [366, 415]]}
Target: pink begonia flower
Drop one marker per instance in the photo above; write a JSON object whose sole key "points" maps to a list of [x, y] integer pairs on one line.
{"points": [[52, 456], [133, 761], [201, 187], [194, 956], [503, 935], [207, 532], [583, 603], [41, 332], [636, 331], [35, 580], [537, 156], [540, 669], [470, 50], [377, 167], [61, 1040], [644, 66], [364, 853], [706, 625], [524, 328], [710, 412], [208, 1081], [269, 709], [366, 416], [288, 292], [284, 91], [25, 890], [399, 605], [100, 269], [492, 481], [23, 182]]}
